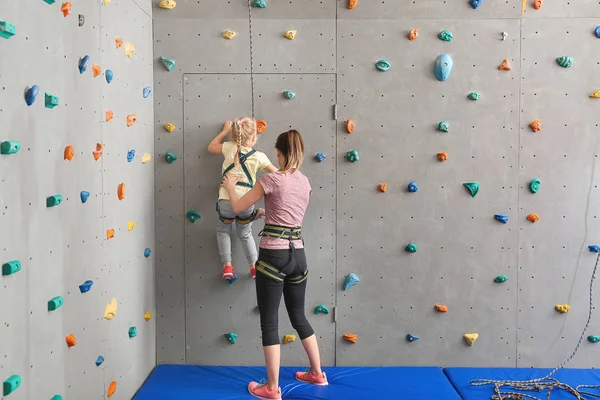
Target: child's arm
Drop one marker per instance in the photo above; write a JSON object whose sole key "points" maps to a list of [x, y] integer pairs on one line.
{"points": [[216, 146], [249, 199], [271, 168]]}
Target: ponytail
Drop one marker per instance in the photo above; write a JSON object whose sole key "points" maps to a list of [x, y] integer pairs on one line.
{"points": [[291, 146]]}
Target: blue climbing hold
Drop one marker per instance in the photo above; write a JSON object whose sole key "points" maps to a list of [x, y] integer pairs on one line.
{"points": [[594, 248], [351, 280], [31, 94], [413, 187], [147, 253], [320, 157], [443, 67], [108, 74], [86, 286], [99, 361], [84, 196], [147, 91], [597, 31], [130, 155], [83, 64], [232, 280], [411, 338], [501, 217], [475, 3]]}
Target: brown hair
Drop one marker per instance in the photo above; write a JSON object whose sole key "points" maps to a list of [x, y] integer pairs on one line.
{"points": [[243, 132], [291, 146]]}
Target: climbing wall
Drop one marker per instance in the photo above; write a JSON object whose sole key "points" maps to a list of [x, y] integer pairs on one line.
{"points": [[498, 280], [61, 247]]}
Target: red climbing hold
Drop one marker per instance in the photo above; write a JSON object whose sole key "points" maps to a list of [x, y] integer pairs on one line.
{"points": [[121, 191], [350, 126], [382, 187], [112, 388], [350, 337], [71, 341], [98, 152], [109, 115], [536, 125], [118, 42], [414, 33], [441, 308], [504, 66], [533, 217], [66, 8], [96, 70], [131, 119], [352, 4], [537, 4], [443, 156], [110, 234], [69, 153], [261, 126]]}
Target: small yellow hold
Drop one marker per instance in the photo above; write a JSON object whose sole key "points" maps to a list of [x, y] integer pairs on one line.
{"points": [[147, 316], [289, 339], [470, 338], [595, 95], [167, 4], [130, 225], [111, 309], [290, 34], [169, 127], [146, 157], [562, 308], [229, 34], [129, 49], [106, 2]]}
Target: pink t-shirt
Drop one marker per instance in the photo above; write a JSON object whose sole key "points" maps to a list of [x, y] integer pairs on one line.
{"points": [[286, 198]]}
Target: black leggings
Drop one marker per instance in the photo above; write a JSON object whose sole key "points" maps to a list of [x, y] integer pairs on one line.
{"points": [[268, 294]]}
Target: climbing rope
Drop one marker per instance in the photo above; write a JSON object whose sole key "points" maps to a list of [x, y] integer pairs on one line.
{"points": [[251, 53], [547, 382]]}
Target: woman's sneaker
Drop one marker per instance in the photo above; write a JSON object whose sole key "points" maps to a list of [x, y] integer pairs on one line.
{"points": [[228, 272], [260, 390], [315, 379]]}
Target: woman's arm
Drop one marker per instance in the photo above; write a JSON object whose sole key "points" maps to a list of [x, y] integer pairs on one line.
{"points": [[216, 145], [249, 199]]}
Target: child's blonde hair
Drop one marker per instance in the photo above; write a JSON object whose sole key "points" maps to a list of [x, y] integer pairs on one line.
{"points": [[243, 133]]}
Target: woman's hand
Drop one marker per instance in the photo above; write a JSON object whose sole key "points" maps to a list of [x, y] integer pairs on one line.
{"points": [[229, 181], [260, 212]]}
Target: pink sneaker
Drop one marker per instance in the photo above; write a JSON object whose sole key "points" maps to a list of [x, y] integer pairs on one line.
{"points": [[253, 272], [228, 272], [260, 390], [315, 379]]}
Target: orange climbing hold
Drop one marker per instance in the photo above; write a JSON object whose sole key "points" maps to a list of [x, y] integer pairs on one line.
{"points": [[536, 125], [504, 66], [537, 4], [414, 33], [110, 234], [441, 308], [382, 187], [131, 119], [121, 191], [350, 126], [261, 126], [112, 388], [96, 70], [71, 341], [443, 156], [352, 4], [533, 218], [350, 337], [98, 152], [118, 42], [66, 8], [109, 115], [69, 153]]}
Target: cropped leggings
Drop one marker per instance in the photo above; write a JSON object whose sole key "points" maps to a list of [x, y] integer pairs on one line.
{"points": [[292, 263]]}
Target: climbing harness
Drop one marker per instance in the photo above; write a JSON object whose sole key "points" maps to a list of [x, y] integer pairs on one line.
{"points": [[243, 157], [282, 232], [279, 276], [251, 53], [239, 220]]}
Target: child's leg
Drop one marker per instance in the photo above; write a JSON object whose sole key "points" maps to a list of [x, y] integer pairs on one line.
{"points": [[224, 238], [244, 233]]}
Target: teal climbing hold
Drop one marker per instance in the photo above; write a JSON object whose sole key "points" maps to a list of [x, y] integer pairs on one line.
{"points": [[501, 279], [411, 338], [474, 96], [534, 185], [232, 337], [11, 384], [56, 397], [55, 303], [193, 216], [10, 147], [288, 94], [351, 280], [445, 35], [50, 1], [7, 30], [594, 338], [168, 63], [411, 248], [170, 157], [132, 332], [383, 65], [53, 201], [259, 3], [11, 267], [321, 309], [565, 61], [444, 126], [352, 156], [51, 101], [473, 187]]}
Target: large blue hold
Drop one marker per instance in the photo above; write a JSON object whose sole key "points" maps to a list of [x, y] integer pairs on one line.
{"points": [[108, 75], [84, 196], [350, 281], [130, 155], [86, 286], [413, 187], [594, 248], [443, 67], [502, 218], [99, 361], [597, 31], [147, 253], [475, 3], [31, 94], [320, 157], [83, 64]]}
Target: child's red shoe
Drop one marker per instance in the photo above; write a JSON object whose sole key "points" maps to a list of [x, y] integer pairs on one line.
{"points": [[228, 272]]}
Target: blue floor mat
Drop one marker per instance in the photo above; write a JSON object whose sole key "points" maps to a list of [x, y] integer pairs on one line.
{"points": [[461, 378], [189, 382]]}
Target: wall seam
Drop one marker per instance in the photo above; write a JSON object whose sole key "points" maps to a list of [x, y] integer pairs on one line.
{"points": [[519, 190]]}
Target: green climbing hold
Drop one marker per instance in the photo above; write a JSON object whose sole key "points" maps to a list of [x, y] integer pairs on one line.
{"points": [[411, 248], [56, 397], [383, 65], [444, 126], [168, 63], [11, 384], [55, 303], [473, 187], [321, 309], [10, 147], [474, 96], [51, 101], [565, 61], [50, 1], [288, 94], [259, 3], [232, 337], [7, 30], [352, 156], [170, 157], [11, 267], [193, 216], [446, 35], [132, 332], [534, 185], [53, 201], [501, 279], [594, 338]]}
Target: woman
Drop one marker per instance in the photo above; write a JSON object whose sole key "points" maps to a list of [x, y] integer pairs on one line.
{"points": [[281, 267]]}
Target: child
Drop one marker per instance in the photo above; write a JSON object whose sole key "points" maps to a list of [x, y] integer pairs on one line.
{"points": [[242, 161]]}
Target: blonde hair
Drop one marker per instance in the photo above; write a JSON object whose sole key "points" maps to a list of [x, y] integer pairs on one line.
{"points": [[243, 133], [291, 146]]}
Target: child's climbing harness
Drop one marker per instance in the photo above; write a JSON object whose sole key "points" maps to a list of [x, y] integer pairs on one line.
{"points": [[243, 157]]}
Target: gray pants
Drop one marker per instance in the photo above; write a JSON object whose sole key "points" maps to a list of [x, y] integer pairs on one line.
{"points": [[244, 233]]}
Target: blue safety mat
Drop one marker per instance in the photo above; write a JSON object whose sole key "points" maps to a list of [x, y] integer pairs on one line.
{"points": [[189, 382], [461, 378]]}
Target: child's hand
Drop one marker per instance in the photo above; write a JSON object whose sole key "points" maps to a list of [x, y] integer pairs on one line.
{"points": [[227, 127], [260, 212], [229, 181]]}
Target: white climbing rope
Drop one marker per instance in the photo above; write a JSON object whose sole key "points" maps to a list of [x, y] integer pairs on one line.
{"points": [[251, 54]]}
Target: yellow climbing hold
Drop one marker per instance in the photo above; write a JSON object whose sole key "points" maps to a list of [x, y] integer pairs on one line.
{"points": [[147, 316], [146, 157], [169, 127], [562, 308], [167, 4], [290, 34], [595, 95], [471, 338], [523, 7], [229, 34], [111, 309], [289, 339], [106, 2], [129, 49], [130, 225]]}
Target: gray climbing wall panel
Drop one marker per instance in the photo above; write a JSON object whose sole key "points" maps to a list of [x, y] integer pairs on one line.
{"points": [[462, 248], [62, 247]]}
